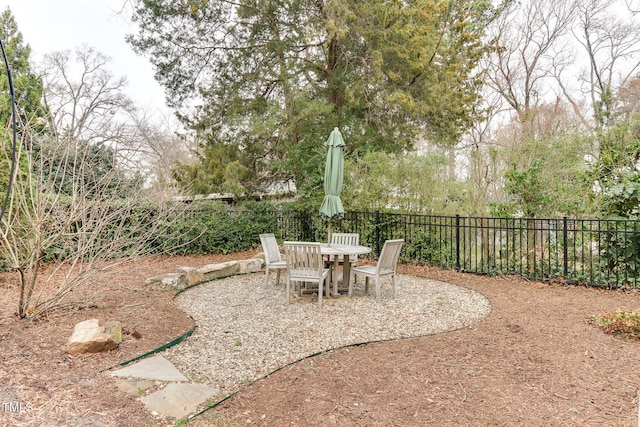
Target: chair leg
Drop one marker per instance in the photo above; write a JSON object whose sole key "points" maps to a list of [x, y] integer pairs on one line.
{"points": [[288, 291], [320, 282], [351, 275], [266, 277], [277, 277], [393, 284], [366, 285], [327, 288], [378, 288]]}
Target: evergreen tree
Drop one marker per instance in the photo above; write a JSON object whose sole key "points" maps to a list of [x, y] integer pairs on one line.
{"points": [[27, 85], [28, 95], [271, 78]]}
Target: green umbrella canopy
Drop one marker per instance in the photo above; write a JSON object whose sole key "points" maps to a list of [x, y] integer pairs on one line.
{"points": [[333, 176]]}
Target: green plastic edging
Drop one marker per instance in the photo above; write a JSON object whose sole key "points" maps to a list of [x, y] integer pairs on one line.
{"points": [[175, 341], [219, 402], [156, 350]]}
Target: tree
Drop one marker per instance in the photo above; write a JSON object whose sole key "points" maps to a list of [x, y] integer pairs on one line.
{"points": [[162, 147], [76, 201], [612, 46], [85, 232], [89, 108], [527, 39], [87, 102], [409, 182], [28, 86], [271, 78]]}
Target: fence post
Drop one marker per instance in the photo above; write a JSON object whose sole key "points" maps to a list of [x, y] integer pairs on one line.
{"points": [[458, 242], [565, 242], [377, 233]]}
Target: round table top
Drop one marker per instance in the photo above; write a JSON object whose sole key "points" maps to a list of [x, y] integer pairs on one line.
{"points": [[335, 249]]}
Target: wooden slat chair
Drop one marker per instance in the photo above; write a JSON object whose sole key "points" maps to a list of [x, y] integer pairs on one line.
{"points": [[272, 257], [386, 266], [305, 265], [345, 239]]}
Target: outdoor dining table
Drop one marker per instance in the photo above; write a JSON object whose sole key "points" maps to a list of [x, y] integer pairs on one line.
{"points": [[345, 250]]}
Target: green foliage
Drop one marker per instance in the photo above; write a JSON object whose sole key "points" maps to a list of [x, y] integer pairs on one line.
{"points": [[617, 174], [220, 169], [620, 254], [27, 85], [622, 197], [93, 168], [428, 247], [410, 182], [271, 86], [210, 227], [528, 188], [28, 91], [548, 178]]}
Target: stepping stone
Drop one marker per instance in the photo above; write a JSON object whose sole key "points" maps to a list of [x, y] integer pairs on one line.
{"points": [[133, 386], [154, 368], [178, 400]]}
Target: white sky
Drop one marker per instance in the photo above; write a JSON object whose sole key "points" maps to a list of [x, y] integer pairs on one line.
{"points": [[57, 25]]}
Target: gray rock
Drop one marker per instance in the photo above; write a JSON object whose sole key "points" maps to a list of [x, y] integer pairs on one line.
{"points": [[93, 336], [223, 269], [192, 274], [178, 400], [152, 368], [167, 282], [133, 386], [252, 265]]}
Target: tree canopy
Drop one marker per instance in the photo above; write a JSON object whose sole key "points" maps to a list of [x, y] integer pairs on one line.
{"points": [[28, 86], [271, 78]]}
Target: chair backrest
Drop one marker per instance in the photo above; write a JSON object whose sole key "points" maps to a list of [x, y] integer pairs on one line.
{"points": [[270, 248], [389, 255], [345, 238], [304, 259]]}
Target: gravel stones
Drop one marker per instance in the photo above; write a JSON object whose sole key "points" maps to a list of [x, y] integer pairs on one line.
{"points": [[245, 331]]}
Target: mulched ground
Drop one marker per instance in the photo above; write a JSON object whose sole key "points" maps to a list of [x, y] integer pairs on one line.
{"points": [[535, 361]]}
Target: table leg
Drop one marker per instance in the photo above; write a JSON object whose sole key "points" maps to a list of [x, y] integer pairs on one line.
{"points": [[346, 271]]}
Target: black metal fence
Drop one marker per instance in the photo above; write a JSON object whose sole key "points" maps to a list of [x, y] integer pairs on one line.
{"points": [[603, 253]]}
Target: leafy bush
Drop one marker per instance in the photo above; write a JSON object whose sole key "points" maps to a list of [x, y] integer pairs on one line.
{"points": [[620, 253], [213, 227], [429, 248]]}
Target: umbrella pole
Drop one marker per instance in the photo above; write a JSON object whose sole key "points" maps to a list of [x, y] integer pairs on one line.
{"points": [[329, 232]]}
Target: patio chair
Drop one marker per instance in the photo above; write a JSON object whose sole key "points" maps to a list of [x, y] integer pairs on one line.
{"points": [[386, 266], [305, 265], [345, 239], [272, 257]]}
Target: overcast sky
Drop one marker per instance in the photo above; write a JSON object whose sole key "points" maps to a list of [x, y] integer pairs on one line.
{"points": [[57, 25]]}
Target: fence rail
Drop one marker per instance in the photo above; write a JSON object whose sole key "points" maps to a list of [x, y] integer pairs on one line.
{"points": [[603, 253]]}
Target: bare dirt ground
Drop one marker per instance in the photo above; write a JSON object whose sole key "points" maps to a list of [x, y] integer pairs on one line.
{"points": [[535, 361]]}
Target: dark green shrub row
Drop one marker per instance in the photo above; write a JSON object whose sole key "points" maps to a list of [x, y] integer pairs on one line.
{"points": [[202, 227], [213, 227]]}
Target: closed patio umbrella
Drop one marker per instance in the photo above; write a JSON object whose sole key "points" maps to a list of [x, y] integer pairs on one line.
{"points": [[333, 176]]}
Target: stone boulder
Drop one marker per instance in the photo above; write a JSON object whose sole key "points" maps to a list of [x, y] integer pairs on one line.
{"points": [[223, 269], [192, 274], [93, 336], [167, 282], [252, 265], [260, 256]]}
